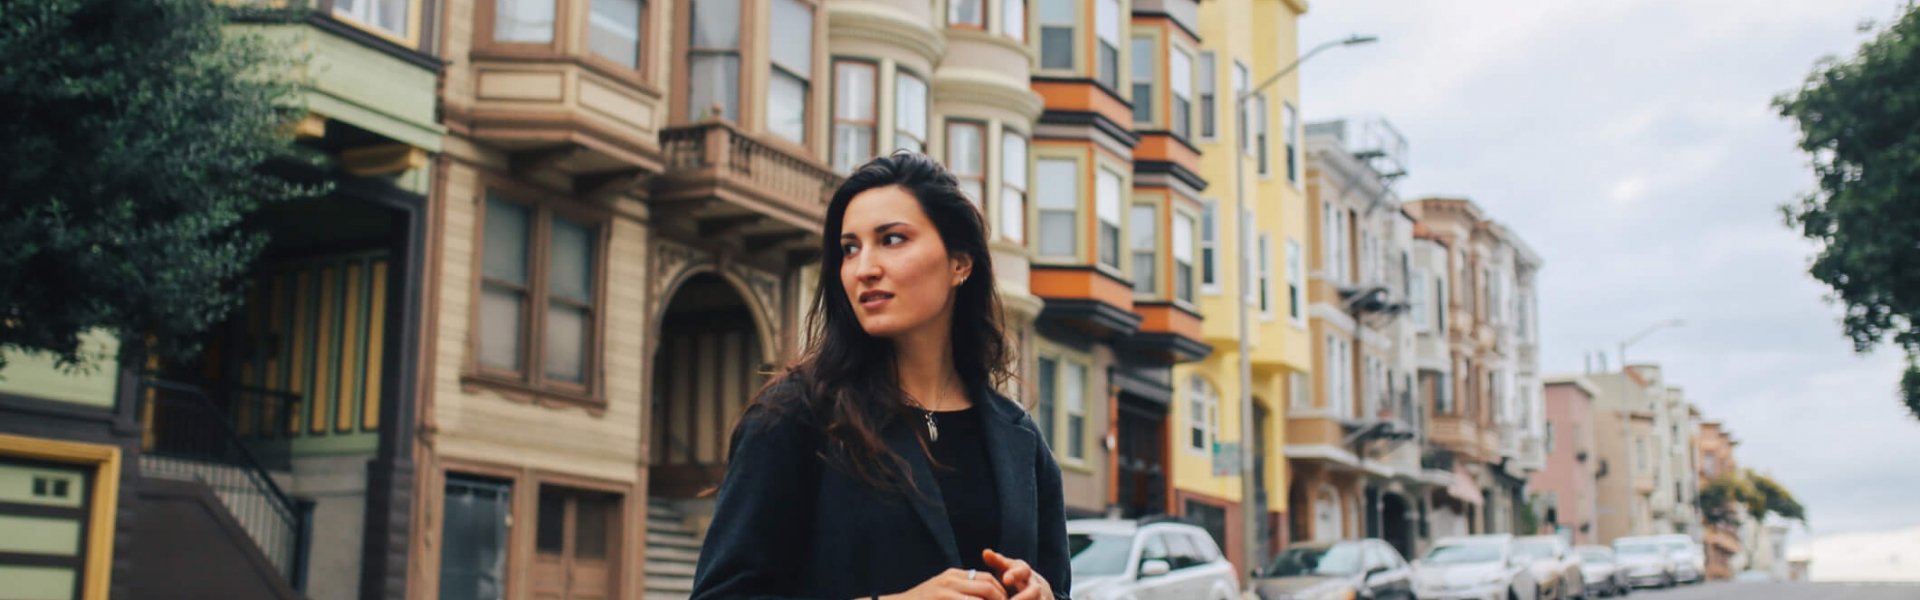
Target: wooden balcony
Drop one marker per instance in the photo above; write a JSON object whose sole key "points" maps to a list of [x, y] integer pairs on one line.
{"points": [[1456, 434], [1088, 298], [726, 185], [1168, 332], [1319, 439]]}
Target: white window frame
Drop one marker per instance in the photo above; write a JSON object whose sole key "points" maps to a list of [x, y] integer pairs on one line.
{"points": [[1015, 179], [1183, 251], [1180, 86], [1240, 120], [1417, 296], [775, 70], [1075, 407], [1072, 27], [1209, 275], [1108, 30], [1108, 212], [1261, 139], [365, 13], [1151, 253], [841, 97], [1071, 206], [1013, 19], [904, 111], [975, 173], [1140, 55], [1202, 405], [954, 18], [1290, 121], [1207, 106], [1296, 283], [1265, 274]]}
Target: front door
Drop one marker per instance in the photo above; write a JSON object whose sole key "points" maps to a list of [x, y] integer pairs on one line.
{"points": [[1142, 484], [576, 544]]}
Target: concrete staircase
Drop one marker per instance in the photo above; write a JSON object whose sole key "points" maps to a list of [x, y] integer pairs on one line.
{"points": [[672, 549]]}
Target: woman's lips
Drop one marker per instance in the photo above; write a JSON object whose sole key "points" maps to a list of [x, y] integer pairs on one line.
{"points": [[874, 300]]}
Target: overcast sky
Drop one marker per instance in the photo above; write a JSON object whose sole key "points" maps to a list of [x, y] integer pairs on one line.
{"points": [[1632, 144]]}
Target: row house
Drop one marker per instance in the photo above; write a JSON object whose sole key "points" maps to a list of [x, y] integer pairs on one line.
{"points": [[1251, 277], [1486, 410], [1357, 474], [1636, 483], [1564, 493], [1725, 550], [281, 456]]}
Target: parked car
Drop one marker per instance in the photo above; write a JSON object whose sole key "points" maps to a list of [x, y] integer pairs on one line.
{"points": [[1332, 570], [1601, 571], [1555, 569], [1752, 576], [1480, 567], [1647, 562], [1690, 563], [1147, 560]]}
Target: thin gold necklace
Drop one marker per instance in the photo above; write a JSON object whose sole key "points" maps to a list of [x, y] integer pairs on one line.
{"points": [[933, 430]]}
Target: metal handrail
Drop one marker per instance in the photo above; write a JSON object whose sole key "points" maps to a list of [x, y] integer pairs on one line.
{"points": [[294, 515]]}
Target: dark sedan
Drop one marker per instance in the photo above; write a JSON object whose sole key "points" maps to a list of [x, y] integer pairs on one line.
{"points": [[1341, 570]]}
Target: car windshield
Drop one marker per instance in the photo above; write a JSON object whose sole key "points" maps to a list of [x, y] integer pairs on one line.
{"points": [[1534, 549], [1098, 554], [1636, 549], [1338, 559], [1596, 556], [1462, 554], [1680, 547]]}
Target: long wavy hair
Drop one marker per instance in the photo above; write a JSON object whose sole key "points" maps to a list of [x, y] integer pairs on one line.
{"points": [[850, 378]]}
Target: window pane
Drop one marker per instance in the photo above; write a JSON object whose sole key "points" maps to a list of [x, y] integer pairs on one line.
{"points": [[1056, 234], [1109, 245], [1075, 391], [853, 93], [716, 24], [570, 270], [391, 15], [963, 150], [973, 190], [1106, 20], [1107, 196], [1180, 74], [1109, 65], [1013, 18], [550, 531], [615, 31], [506, 241], [1182, 117], [1056, 185], [910, 108], [1142, 236], [501, 312], [1207, 93], [593, 518], [714, 79], [1143, 282], [1183, 281], [566, 349], [1013, 159], [852, 146], [966, 12], [1142, 102], [1013, 214], [787, 106], [791, 45], [1058, 12], [1143, 54], [523, 21], [1182, 237], [1056, 48], [473, 553]]}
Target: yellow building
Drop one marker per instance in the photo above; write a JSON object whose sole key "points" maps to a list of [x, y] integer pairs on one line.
{"points": [[1261, 266]]}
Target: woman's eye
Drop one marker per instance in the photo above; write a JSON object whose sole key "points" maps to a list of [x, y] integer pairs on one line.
{"points": [[849, 249], [892, 238]]}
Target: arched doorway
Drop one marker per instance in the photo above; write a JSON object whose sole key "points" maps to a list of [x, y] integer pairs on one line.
{"points": [[708, 362], [1396, 521]]}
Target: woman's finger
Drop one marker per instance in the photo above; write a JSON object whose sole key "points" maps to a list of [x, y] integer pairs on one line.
{"points": [[984, 588], [1039, 590], [1017, 575], [996, 561]]}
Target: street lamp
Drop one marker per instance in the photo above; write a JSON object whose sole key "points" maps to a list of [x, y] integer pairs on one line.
{"points": [[1250, 522], [1644, 333]]}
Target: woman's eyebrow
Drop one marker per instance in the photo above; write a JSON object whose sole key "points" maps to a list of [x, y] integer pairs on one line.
{"points": [[880, 229]]}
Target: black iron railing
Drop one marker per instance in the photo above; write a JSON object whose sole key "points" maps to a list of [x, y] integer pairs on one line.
{"points": [[191, 436]]}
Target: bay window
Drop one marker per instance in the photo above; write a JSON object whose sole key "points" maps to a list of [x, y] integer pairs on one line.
{"points": [[1056, 187], [713, 59], [613, 30], [854, 98], [966, 158], [790, 46], [909, 112], [1106, 197], [1013, 186], [1142, 243]]}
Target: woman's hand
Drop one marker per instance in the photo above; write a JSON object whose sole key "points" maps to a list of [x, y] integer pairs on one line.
{"points": [[955, 584], [1019, 575]]}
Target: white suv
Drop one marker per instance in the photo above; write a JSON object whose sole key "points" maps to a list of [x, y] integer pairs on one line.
{"points": [[1152, 560]]}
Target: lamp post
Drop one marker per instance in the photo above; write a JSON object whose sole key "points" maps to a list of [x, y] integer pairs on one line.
{"points": [[1644, 333], [1250, 522]]}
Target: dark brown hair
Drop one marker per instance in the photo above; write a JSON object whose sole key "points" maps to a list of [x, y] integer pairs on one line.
{"points": [[850, 385]]}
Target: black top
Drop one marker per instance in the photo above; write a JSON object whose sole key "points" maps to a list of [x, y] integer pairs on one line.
{"points": [[965, 473]]}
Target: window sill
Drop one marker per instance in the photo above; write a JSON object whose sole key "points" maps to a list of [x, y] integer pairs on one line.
{"points": [[521, 391]]}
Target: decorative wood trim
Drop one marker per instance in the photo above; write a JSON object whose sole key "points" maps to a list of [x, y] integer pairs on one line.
{"points": [[105, 501]]}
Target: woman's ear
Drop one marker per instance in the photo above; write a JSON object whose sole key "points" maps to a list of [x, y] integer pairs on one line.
{"points": [[962, 266]]}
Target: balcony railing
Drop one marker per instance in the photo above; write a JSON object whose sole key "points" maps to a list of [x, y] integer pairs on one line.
{"points": [[714, 152]]}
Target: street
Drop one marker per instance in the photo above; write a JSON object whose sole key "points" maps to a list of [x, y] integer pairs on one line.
{"points": [[1784, 591]]}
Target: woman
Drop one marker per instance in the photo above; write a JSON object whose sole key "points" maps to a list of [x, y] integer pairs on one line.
{"points": [[883, 464]]}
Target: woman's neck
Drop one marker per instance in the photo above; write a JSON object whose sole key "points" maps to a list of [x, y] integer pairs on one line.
{"points": [[924, 364]]}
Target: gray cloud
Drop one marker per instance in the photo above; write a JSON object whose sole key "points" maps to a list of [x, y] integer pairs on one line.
{"points": [[1632, 144]]}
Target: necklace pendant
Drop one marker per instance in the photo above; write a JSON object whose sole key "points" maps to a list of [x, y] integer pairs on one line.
{"points": [[933, 431]]}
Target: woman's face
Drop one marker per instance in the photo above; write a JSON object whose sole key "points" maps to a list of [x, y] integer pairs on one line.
{"points": [[894, 267]]}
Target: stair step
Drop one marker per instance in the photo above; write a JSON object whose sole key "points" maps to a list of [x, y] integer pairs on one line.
{"points": [[669, 584], [670, 569], [655, 527], [655, 511], [671, 554], [672, 540]]}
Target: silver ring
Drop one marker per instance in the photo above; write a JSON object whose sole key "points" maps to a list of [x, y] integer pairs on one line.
{"points": [[971, 573]]}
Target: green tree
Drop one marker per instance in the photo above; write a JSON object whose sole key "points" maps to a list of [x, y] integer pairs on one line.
{"points": [[1774, 498], [1859, 121], [132, 139], [1722, 499]]}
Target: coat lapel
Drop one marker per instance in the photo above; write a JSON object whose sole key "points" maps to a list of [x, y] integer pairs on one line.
{"points": [[926, 503], [1011, 448]]}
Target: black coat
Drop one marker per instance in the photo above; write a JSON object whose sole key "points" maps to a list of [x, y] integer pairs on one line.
{"points": [[788, 526]]}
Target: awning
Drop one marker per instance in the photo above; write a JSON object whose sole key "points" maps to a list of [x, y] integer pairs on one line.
{"points": [[1464, 487]]}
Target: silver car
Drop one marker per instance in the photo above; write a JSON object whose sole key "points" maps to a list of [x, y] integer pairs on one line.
{"points": [[1480, 567], [1152, 560], [1647, 563], [1554, 566], [1602, 572]]}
